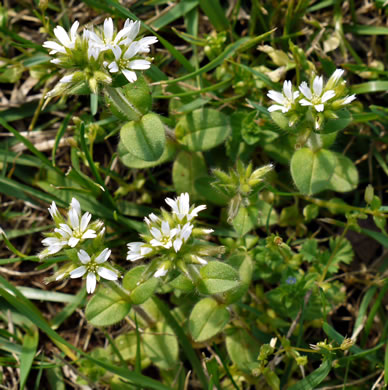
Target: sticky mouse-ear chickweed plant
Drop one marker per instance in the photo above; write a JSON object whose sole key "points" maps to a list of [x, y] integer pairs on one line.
{"points": [[208, 201]]}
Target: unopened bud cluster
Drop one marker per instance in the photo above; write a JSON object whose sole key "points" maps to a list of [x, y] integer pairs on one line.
{"points": [[94, 57], [239, 184], [318, 101], [170, 240]]}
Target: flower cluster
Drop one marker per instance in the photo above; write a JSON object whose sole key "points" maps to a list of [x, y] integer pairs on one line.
{"points": [[74, 235], [168, 238], [319, 97], [97, 54]]}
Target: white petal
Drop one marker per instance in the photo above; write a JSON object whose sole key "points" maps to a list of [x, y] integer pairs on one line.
{"points": [[56, 47], [155, 243], [275, 107], [337, 75], [54, 248], [201, 260], [92, 36], [198, 209], [304, 102], [165, 228], [78, 272], [64, 230], [55, 61], [132, 50], [91, 282], [73, 242], [73, 30], [121, 34], [116, 52], [319, 107], [85, 221], [67, 79], [287, 89], [83, 256], [74, 218], [113, 68], [134, 28], [156, 233], [130, 76], [108, 29], [327, 96], [144, 44], [76, 206], [89, 234], [318, 85], [276, 97], [160, 272], [139, 64], [107, 273], [349, 99], [177, 244], [145, 250], [305, 90], [172, 203], [103, 256], [134, 257], [62, 36]]}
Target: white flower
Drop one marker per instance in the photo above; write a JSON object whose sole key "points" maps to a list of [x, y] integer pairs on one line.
{"points": [[76, 229], [67, 40], [92, 268], [137, 250], [107, 39], [285, 100], [182, 235], [70, 233], [124, 63], [164, 236], [181, 207], [315, 97]]}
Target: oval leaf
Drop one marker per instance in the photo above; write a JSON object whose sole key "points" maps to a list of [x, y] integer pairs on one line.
{"points": [[144, 139], [311, 170], [207, 319], [187, 168], [129, 160], [217, 277], [242, 348], [203, 129], [345, 176], [106, 308], [161, 346]]}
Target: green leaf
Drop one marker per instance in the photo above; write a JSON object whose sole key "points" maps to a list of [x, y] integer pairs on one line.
{"points": [[30, 345], [315, 378], [217, 277], [144, 139], [106, 308], [345, 175], [202, 129], [187, 168], [311, 170], [131, 161], [332, 125], [215, 13], [140, 290], [207, 319], [242, 348], [129, 102], [245, 220], [161, 346]]}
